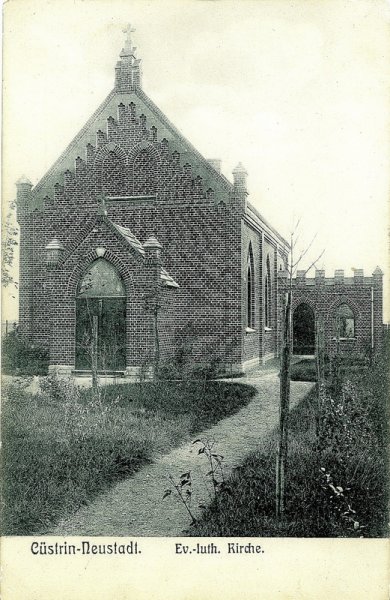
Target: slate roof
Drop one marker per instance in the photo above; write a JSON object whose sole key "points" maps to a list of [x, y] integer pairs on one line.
{"points": [[130, 238], [167, 279]]}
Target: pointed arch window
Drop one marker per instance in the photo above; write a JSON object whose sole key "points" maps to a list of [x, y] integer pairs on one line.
{"points": [[345, 322], [112, 174], [144, 173], [250, 291], [268, 295]]}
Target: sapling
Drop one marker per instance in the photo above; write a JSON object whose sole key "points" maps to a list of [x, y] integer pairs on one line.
{"points": [[183, 489], [216, 465]]}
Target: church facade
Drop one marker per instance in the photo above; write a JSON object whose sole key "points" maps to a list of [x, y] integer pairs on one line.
{"points": [[134, 242]]}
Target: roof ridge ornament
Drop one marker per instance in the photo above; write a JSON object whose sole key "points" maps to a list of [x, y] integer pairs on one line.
{"points": [[127, 71], [129, 49]]}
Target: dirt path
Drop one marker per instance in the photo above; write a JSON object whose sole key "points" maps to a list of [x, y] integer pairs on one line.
{"points": [[134, 507]]}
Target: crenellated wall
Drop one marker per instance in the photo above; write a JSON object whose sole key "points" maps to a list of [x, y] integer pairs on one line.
{"points": [[325, 295]]}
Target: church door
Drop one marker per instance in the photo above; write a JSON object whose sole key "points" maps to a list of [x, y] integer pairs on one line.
{"points": [[101, 318], [303, 330]]}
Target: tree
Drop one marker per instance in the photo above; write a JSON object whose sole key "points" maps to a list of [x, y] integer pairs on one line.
{"points": [[154, 303], [285, 370], [8, 242], [320, 366]]}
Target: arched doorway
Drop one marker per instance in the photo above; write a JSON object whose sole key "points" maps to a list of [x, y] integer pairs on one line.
{"points": [[303, 330], [101, 318]]}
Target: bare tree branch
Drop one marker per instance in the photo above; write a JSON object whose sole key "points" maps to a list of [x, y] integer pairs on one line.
{"points": [[295, 229], [315, 261], [304, 252]]}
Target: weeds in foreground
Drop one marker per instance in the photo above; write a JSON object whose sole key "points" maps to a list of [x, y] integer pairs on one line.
{"points": [[338, 498], [338, 469], [64, 445], [215, 461], [183, 489], [184, 486]]}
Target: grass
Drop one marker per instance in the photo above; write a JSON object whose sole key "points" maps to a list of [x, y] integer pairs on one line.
{"points": [[62, 447], [305, 369], [336, 484]]}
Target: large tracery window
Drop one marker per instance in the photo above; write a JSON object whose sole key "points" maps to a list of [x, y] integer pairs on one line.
{"points": [[101, 280], [250, 291], [268, 295], [345, 322]]}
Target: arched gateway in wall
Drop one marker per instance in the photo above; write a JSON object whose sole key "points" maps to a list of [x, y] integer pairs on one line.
{"points": [[101, 316], [303, 330]]}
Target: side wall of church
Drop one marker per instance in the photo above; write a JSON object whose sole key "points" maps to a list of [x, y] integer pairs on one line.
{"points": [[260, 340]]}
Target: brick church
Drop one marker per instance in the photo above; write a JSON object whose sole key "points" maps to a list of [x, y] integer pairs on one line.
{"points": [[135, 240]]}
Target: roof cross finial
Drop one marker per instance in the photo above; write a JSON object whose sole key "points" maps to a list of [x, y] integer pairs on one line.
{"points": [[128, 30], [127, 70]]}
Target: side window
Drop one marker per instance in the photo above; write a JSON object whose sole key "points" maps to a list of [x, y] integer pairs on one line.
{"points": [[268, 295], [345, 322], [250, 291]]}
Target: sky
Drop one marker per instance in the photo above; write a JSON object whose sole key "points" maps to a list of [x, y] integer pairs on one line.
{"points": [[298, 91]]}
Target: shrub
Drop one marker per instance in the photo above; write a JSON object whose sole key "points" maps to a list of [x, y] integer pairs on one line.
{"points": [[336, 480], [190, 371], [22, 358], [169, 371]]}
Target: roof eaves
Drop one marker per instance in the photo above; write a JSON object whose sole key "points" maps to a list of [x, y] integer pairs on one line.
{"points": [[167, 279], [41, 183], [154, 108], [264, 222], [130, 238]]}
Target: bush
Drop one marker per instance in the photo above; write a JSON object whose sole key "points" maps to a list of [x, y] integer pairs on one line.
{"points": [[306, 369], [169, 371], [22, 358], [336, 480], [190, 371]]}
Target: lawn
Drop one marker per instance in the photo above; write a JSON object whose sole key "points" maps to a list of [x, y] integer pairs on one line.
{"points": [[336, 483], [306, 370], [64, 446]]}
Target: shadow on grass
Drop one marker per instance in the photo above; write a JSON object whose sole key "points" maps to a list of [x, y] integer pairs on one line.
{"points": [[62, 447]]}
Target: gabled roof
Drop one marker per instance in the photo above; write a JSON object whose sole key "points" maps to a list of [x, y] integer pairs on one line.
{"points": [[130, 238], [74, 148], [128, 90], [263, 223], [124, 234], [167, 279]]}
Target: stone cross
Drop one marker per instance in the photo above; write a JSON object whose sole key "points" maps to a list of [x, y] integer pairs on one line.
{"points": [[128, 30]]}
